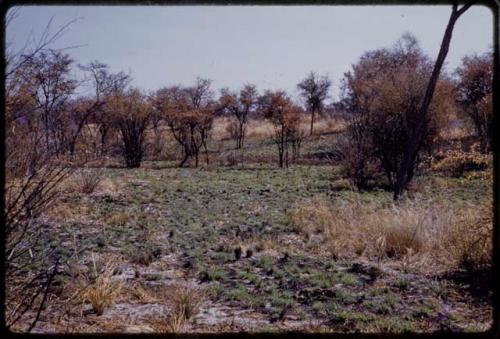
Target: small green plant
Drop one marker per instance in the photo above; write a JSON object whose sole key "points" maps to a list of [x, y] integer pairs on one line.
{"points": [[240, 294], [215, 290], [215, 273], [265, 262]]}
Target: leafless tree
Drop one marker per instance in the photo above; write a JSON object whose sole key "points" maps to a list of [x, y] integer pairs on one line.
{"points": [[130, 113], [189, 113], [314, 90], [105, 84], [279, 109], [240, 106]]}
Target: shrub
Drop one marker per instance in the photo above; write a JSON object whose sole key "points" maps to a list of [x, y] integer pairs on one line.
{"points": [[384, 91], [456, 162], [229, 158], [356, 154], [475, 95], [142, 254], [131, 114], [88, 180]]}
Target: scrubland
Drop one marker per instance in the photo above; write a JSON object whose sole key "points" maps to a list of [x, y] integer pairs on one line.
{"points": [[241, 245]]}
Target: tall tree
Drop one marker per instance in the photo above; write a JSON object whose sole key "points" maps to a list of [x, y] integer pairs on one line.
{"points": [[415, 142], [314, 90]]}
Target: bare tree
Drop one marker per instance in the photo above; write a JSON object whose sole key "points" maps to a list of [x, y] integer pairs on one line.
{"points": [[105, 84], [189, 113], [415, 142], [240, 106], [131, 113], [279, 109], [51, 86], [314, 90]]}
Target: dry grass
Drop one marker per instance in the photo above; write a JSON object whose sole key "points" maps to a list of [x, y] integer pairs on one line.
{"points": [[141, 294], [87, 180], [451, 235], [183, 301], [118, 219], [102, 291], [259, 129], [325, 125], [456, 162]]}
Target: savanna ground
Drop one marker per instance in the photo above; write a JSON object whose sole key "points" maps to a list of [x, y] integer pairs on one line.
{"points": [[250, 247]]}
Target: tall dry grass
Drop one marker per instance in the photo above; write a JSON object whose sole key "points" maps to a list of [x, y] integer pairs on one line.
{"points": [[184, 302], [100, 289], [262, 129], [447, 234]]}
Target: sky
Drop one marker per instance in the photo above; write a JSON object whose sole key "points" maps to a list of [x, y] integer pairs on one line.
{"points": [[273, 47]]}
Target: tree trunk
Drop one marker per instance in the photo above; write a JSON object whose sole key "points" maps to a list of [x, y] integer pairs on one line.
{"points": [[415, 141], [312, 121], [186, 156]]}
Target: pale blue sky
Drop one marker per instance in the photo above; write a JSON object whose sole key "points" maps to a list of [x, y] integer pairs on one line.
{"points": [[270, 46]]}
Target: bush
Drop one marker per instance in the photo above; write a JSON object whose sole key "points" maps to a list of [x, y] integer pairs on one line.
{"points": [[229, 158], [233, 130], [475, 95], [383, 91], [131, 114], [456, 162], [356, 155], [87, 180], [142, 254]]}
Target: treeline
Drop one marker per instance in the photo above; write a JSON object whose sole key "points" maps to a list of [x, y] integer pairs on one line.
{"points": [[381, 94]]}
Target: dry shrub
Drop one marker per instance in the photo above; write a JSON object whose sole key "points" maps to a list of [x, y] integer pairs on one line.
{"points": [[184, 299], [102, 292], [469, 244], [457, 162], [87, 180], [449, 234], [184, 302]]}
